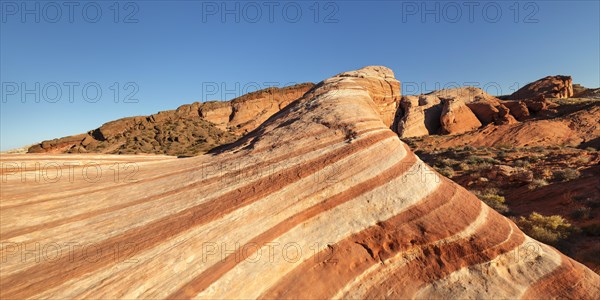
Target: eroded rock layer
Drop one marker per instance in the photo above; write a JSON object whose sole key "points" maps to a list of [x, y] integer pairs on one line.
{"points": [[558, 86], [189, 130], [320, 201]]}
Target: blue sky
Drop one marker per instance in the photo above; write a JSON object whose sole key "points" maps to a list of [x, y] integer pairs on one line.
{"points": [[162, 54]]}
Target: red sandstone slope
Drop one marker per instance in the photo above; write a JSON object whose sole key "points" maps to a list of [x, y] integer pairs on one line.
{"points": [[320, 201], [189, 130]]}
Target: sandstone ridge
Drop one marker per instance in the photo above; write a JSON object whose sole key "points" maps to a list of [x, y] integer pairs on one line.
{"points": [[345, 207], [191, 129]]}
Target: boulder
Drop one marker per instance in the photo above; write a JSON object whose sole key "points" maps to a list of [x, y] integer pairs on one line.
{"points": [[456, 117], [518, 109], [538, 104], [418, 120], [490, 110], [508, 173]]}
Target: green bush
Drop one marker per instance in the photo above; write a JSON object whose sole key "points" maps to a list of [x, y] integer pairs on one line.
{"points": [[566, 174], [546, 229]]}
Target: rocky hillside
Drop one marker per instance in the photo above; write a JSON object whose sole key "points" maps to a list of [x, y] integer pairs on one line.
{"points": [[320, 201], [189, 130]]}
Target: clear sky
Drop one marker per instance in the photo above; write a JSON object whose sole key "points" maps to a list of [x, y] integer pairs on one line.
{"points": [[148, 56]]}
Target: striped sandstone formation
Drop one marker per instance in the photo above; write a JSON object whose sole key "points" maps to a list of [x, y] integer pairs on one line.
{"points": [[321, 201]]}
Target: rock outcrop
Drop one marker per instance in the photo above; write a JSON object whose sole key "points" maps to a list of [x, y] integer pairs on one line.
{"points": [[418, 116], [490, 110], [189, 130], [320, 201], [507, 173], [456, 117], [558, 86], [589, 93], [518, 109]]}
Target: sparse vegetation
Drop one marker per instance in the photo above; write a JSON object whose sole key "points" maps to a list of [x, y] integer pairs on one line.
{"points": [[566, 174], [446, 171], [521, 163], [546, 229], [494, 201], [537, 183], [581, 213]]}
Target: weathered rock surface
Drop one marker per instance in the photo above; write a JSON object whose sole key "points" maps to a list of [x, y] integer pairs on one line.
{"points": [[589, 93], [574, 127], [320, 201], [418, 116], [518, 109], [189, 130], [456, 117], [489, 112], [508, 173], [558, 86]]}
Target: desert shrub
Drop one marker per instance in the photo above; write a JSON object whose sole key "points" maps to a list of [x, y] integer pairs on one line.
{"points": [[583, 159], [446, 171], [581, 213], [566, 174], [481, 166], [469, 148], [504, 146], [537, 183], [538, 149], [462, 166], [446, 162], [501, 154], [546, 229], [477, 160], [590, 149], [494, 201], [521, 163]]}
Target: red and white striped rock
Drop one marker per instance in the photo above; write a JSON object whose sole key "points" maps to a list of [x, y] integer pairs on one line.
{"points": [[323, 200]]}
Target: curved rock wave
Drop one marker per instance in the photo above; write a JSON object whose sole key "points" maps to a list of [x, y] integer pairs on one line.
{"points": [[322, 200]]}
